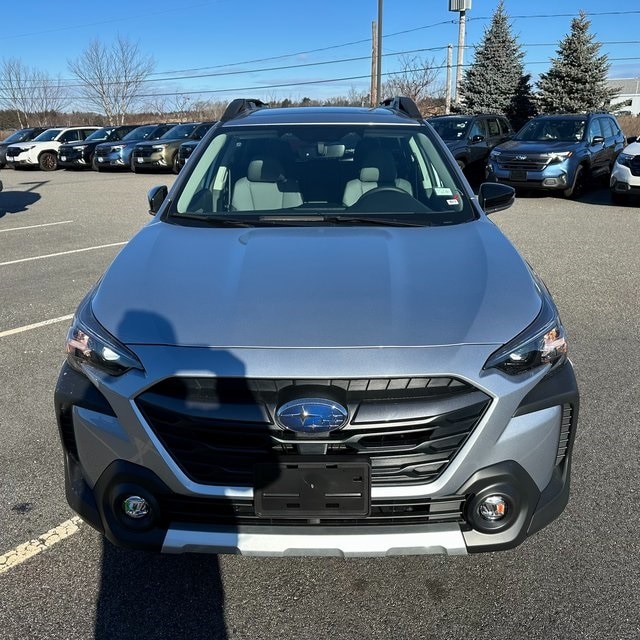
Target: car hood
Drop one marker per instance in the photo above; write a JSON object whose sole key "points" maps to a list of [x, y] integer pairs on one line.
{"points": [[537, 147], [317, 287], [633, 149], [153, 143], [456, 144], [33, 143]]}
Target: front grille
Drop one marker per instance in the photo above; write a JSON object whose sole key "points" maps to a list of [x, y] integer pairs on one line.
{"points": [[143, 152], [12, 152], [634, 165], [218, 429], [531, 163], [70, 153], [218, 511]]}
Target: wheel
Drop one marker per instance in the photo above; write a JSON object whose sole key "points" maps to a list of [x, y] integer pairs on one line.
{"points": [[578, 186], [48, 161], [175, 167], [132, 163], [94, 164], [461, 164]]}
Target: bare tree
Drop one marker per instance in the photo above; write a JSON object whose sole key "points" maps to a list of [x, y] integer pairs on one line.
{"points": [[417, 79], [32, 94], [111, 78]]}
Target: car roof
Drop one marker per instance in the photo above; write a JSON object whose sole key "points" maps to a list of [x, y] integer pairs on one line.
{"points": [[321, 115]]}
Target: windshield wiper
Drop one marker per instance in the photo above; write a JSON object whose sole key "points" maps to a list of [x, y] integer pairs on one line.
{"points": [[386, 222], [221, 221]]}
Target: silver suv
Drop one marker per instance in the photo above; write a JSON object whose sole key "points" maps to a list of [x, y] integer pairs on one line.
{"points": [[319, 345]]}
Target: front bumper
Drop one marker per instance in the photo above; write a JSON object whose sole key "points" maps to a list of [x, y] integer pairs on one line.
{"points": [[623, 181], [527, 458], [555, 177]]}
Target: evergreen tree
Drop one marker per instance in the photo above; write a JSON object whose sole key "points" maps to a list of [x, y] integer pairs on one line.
{"points": [[577, 79], [495, 82]]}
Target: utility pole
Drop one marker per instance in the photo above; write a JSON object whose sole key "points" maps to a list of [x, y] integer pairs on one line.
{"points": [[379, 56], [447, 94], [374, 64], [461, 6]]}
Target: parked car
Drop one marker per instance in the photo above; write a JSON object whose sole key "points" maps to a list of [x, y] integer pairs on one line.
{"points": [[319, 345], [22, 135], [471, 138], [80, 155], [186, 148], [562, 153], [110, 155], [625, 177], [42, 151], [163, 153]]}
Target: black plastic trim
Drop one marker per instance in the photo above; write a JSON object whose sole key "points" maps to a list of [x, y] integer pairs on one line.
{"points": [[558, 387], [74, 388]]}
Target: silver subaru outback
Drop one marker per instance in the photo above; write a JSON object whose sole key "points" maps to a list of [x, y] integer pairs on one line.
{"points": [[319, 345]]}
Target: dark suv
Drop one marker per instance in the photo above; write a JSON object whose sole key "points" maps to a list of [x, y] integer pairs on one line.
{"points": [[319, 345], [471, 138], [562, 153], [163, 153], [80, 155]]}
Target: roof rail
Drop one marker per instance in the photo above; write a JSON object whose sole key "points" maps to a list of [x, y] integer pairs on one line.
{"points": [[240, 106], [404, 105]]}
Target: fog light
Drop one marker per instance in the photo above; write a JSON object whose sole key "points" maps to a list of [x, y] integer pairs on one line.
{"points": [[493, 508], [136, 507], [551, 182]]}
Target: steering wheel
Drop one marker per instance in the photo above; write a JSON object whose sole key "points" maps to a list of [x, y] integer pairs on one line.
{"points": [[388, 189]]}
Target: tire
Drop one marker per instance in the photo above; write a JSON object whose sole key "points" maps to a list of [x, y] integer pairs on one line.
{"points": [[461, 164], [48, 161], [578, 186], [133, 164], [94, 164], [175, 167]]}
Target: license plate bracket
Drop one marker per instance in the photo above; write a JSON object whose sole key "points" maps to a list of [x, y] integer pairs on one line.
{"points": [[312, 489], [519, 175]]}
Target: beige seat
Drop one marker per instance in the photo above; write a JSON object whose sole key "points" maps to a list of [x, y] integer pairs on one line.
{"points": [[265, 188], [378, 170]]}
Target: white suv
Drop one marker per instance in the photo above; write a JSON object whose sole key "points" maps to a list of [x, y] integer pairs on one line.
{"points": [[625, 175], [43, 150]]}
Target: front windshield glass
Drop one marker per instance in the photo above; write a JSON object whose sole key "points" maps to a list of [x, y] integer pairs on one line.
{"points": [[18, 136], [561, 130], [317, 173], [100, 134], [140, 133], [451, 128], [48, 135], [179, 131]]}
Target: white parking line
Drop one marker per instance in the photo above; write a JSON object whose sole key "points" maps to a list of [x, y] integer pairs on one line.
{"points": [[62, 253], [36, 226], [32, 548], [35, 325]]}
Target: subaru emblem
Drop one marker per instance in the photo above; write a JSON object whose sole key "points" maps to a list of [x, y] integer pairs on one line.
{"points": [[312, 415]]}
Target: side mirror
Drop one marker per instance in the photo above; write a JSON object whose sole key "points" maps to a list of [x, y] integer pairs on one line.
{"points": [[493, 196], [597, 140], [156, 196], [477, 138]]}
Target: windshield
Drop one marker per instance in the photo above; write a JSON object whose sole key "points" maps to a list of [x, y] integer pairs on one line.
{"points": [[180, 131], [562, 130], [198, 134], [451, 128], [48, 135], [141, 133], [100, 134], [18, 136], [319, 174]]}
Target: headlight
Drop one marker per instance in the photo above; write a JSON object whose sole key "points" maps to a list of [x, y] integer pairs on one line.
{"points": [[88, 342], [494, 155], [117, 148], [559, 157], [81, 147], [542, 342], [625, 159], [158, 147]]}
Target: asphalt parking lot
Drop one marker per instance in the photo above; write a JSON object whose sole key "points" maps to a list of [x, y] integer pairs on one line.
{"points": [[578, 578]]}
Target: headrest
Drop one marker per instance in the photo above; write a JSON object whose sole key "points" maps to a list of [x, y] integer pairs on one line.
{"points": [[378, 166], [265, 170]]}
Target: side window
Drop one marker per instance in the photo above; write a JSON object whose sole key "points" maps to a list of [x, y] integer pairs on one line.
{"points": [[493, 126], [477, 130], [69, 136], [594, 129], [504, 126]]}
